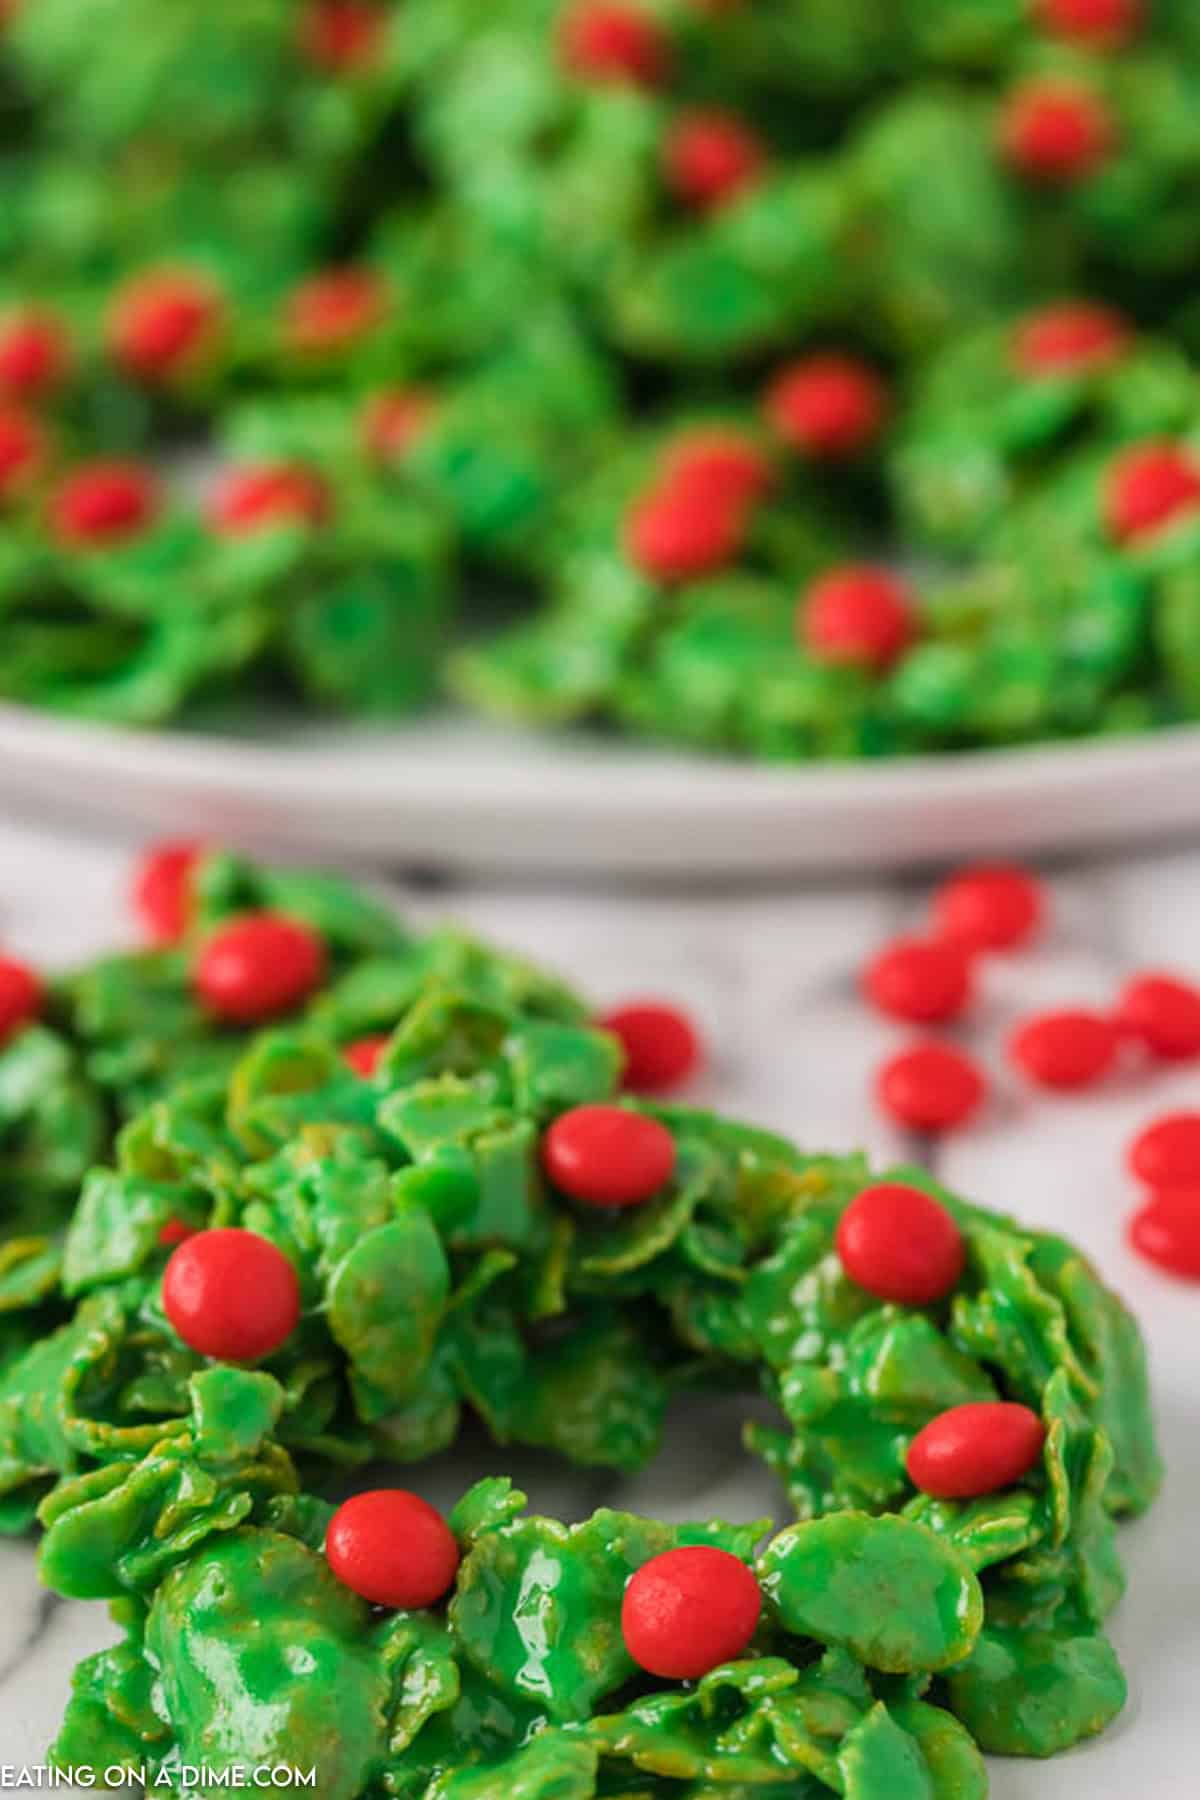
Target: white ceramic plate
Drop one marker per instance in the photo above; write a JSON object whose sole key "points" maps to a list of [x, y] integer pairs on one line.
{"points": [[454, 792]]}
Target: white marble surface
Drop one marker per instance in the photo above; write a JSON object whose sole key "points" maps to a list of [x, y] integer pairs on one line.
{"points": [[771, 976]]}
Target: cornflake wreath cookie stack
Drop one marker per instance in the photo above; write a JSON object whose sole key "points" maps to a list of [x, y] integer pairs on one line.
{"points": [[370, 1182]]}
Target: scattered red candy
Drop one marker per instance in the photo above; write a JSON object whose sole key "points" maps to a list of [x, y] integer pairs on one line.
{"points": [[900, 1244], [689, 1610], [163, 322], [1166, 1231], [341, 36], [831, 408], [231, 1294], [857, 615], [608, 1157], [334, 310], [922, 980], [1163, 1013], [1097, 24], [274, 494], [258, 966], [103, 503], [175, 1232], [1071, 338], [975, 1449], [392, 421], [718, 465], [994, 906], [35, 353], [711, 157], [1167, 1153], [162, 890], [392, 1548], [365, 1053], [21, 996], [931, 1087], [662, 1047], [1055, 132], [675, 535], [1149, 487], [604, 42], [23, 451], [1070, 1049]]}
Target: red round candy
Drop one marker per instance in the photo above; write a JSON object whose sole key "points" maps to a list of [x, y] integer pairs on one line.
{"points": [[662, 1047], [162, 890], [606, 1156], [392, 1548], [994, 906], [364, 1054], [710, 158], [392, 421], [719, 466], [258, 966], [175, 1232], [975, 1449], [604, 42], [674, 535], [35, 353], [1055, 133], [1150, 487], [689, 1610], [231, 1294], [21, 996], [1167, 1153], [1096, 24], [830, 408], [163, 322], [341, 36], [274, 494], [1069, 339], [103, 503], [1163, 1013], [921, 980], [931, 1087], [1166, 1231], [23, 450], [900, 1244], [857, 615], [1070, 1049], [334, 310]]}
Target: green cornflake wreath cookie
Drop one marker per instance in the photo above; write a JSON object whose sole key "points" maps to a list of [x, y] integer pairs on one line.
{"points": [[464, 265], [467, 1217]]}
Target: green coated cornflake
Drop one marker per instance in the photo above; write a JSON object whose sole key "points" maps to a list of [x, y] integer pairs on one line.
{"points": [[892, 1593], [385, 1302], [880, 1761], [121, 1527], [955, 1768], [1036, 1692], [553, 1767]]}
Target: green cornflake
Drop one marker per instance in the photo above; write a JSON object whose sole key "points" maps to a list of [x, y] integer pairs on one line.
{"points": [[885, 1589]]}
